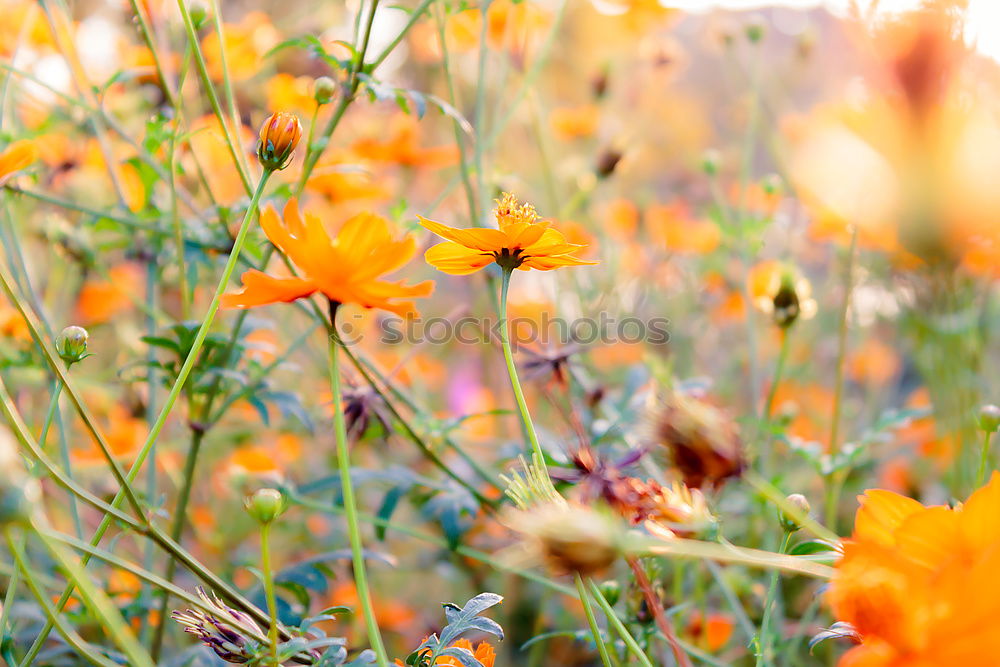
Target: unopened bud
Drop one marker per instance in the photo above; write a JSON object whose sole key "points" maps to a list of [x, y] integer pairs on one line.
{"points": [[989, 418], [710, 162], [771, 184], [71, 344], [279, 135], [611, 590], [266, 505], [797, 501], [324, 88], [199, 14], [755, 29], [607, 161]]}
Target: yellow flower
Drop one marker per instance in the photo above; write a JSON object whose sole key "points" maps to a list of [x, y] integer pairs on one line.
{"points": [[522, 242]]}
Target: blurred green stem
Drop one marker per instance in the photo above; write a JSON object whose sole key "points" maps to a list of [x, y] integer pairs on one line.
{"points": [[522, 404], [350, 504], [764, 638], [619, 627], [272, 603], [836, 477], [595, 631], [984, 460]]}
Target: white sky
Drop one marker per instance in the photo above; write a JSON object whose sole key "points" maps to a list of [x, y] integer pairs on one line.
{"points": [[982, 25]]}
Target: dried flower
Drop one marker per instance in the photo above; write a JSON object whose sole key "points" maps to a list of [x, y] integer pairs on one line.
{"points": [[279, 135], [698, 439], [569, 537], [226, 631]]}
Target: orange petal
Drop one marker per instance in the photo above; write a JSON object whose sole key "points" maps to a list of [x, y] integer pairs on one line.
{"points": [[488, 240], [880, 514], [457, 259], [260, 289]]}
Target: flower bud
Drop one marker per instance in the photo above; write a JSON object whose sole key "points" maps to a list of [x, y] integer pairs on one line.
{"points": [[798, 501], [989, 418], [755, 29], [199, 14], [710, 162], [324, 88], [71, 344], [611, 590], [279, 135], [266, 505]]}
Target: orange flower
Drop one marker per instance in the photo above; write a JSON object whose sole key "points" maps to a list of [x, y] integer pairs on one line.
{"points": [[18, 155], [575, 122], [400, 144], [345, 269], [522, 242], [484, 653], [915, 581], [672, 226]]}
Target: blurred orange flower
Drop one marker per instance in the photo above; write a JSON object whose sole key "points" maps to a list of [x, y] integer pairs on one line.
{"points": [[16, 157], [246, 43], [401, 145], [523, 242], [101, 300], [915, 581], [346, 268], [671, 226], [575, 122]]}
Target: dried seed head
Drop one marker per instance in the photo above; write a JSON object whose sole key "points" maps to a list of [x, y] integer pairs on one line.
{"points": [[228, 632], [279, 135], [696, 438], [570, 538]]}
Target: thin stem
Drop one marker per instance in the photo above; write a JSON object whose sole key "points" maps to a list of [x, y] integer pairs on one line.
{"points": [[350, 504], [7, 638], [766, 442], [98, 602], [835, 479], [213, 99], [522, 404], [272, 603], [168, 405], [581, 590], [764, 638], [50, 416], [619, 627], [31, 579], [176, 531], [656, 608], [984, 459]]}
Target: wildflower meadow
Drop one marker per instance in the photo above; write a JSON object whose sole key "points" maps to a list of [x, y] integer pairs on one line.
{"points": [[488, 333]]}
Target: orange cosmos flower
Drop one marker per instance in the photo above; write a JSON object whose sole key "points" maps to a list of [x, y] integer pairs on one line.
{"points": [[522, 242], [346, 268], [18, 155], [915, 582], [483, 652]]}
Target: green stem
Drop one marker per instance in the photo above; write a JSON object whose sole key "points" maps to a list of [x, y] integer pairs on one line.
{"points": [[592, 621], [765, 443], [7, 638], [619, 627], [350, 504], [764, 638], [50, 416], [176, 531], [522, 404], [835, 479], [168, 405], [272, 603], [98, 602], [984, 460]]}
